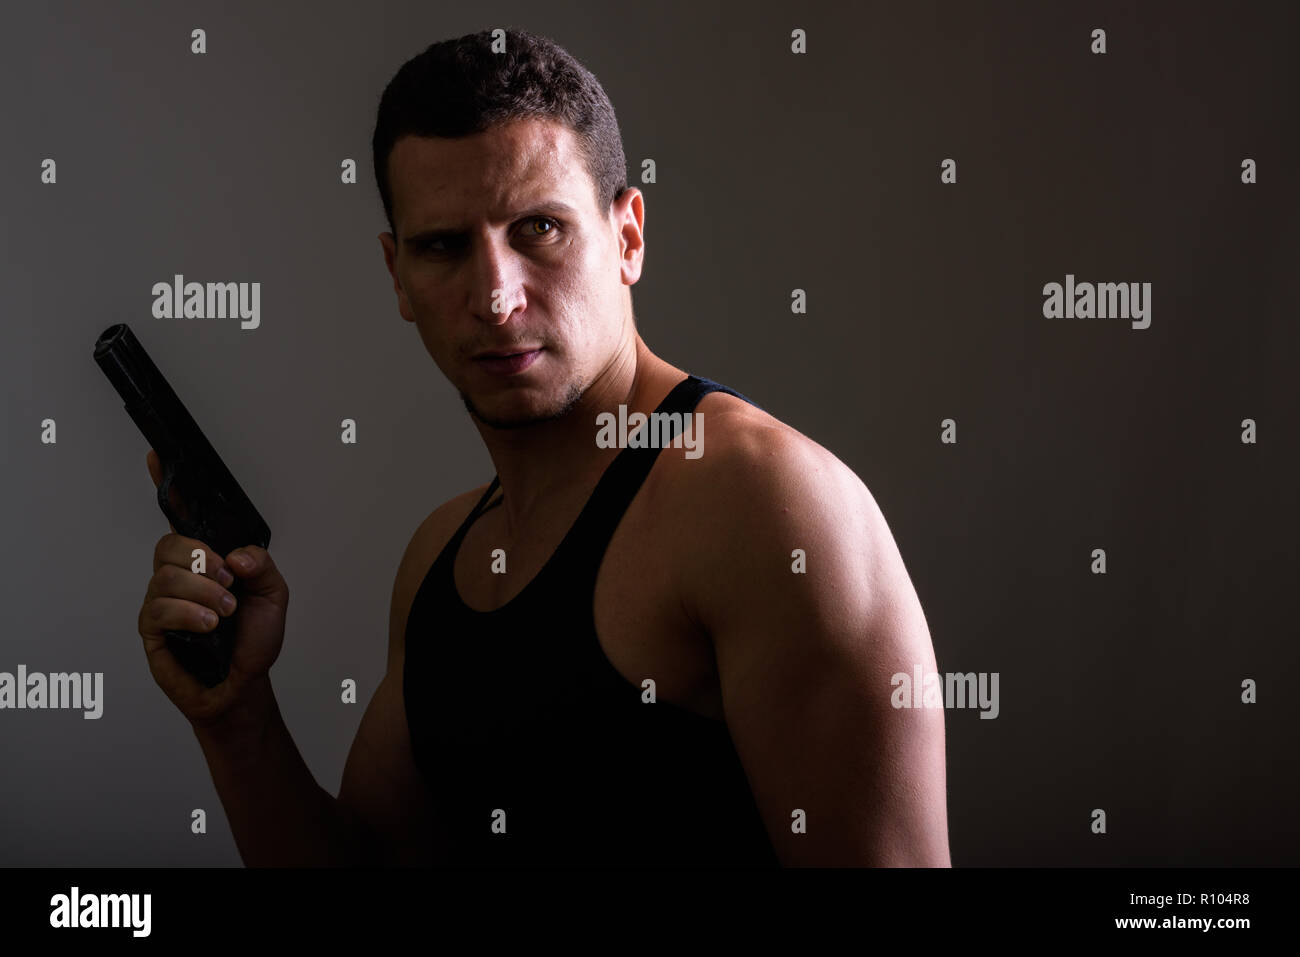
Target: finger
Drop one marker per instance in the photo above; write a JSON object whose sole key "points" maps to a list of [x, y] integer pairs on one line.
{"points": [[170, 614], [162, 614], [173, 582], [178, 550]]}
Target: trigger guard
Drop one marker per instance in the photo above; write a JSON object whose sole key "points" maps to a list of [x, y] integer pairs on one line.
{"points": [[194, 525], [164, 497]]}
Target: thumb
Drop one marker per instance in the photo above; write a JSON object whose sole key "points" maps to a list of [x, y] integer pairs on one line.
{"points": [[255, 568]]}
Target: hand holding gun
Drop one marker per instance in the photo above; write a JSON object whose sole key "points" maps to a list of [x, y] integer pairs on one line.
{"points": [[209, 512]]}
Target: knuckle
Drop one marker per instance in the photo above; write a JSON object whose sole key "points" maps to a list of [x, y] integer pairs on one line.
{"points": [[218, 601], [168, 577], [152, 613]]}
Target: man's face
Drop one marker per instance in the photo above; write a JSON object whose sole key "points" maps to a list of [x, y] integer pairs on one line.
{"points": [[487, 258]]}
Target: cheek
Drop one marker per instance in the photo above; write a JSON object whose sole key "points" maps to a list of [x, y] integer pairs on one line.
{"points": [[419, 288], [435, 341]]}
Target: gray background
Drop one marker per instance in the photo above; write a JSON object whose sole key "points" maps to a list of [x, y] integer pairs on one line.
{"points": [[775, 171]]}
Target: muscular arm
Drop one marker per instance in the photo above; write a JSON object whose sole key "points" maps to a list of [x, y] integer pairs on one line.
{"points": [[805, 660], [383, 792]]}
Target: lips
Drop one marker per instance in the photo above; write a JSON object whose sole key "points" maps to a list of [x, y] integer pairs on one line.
{"points": [[508, 364], [506, 353]]}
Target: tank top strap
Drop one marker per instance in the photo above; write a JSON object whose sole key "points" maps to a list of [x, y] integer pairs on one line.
{"points": [[492, 487], [582, 549], [454, 544], [625, 475]]}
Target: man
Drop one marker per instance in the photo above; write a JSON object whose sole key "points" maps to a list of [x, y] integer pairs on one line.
{"points": [[633, 655]]}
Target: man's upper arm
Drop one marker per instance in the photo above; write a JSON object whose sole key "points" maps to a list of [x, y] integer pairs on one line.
{"points": [[805, 658], [382, 788]]}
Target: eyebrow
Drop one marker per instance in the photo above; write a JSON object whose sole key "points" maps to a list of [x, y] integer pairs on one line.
{"points": [[549, 206]]}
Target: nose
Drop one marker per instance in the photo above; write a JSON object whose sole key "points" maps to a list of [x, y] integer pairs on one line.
{"points": [[498, 281]]}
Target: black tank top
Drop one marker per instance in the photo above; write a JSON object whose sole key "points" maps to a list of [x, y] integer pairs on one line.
{"points": [[518, 710]]}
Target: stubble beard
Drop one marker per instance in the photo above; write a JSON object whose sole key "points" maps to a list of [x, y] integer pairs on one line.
{"points": [[572, 395]]}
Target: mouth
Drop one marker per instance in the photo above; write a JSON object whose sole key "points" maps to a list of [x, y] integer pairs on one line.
{"points": [[504, 355], [507, 363]]}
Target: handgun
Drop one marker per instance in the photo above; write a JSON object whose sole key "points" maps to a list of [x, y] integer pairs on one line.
{"points": [[197, 493]]}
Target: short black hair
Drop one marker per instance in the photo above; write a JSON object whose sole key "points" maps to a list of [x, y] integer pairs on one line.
{"points": [[460, 87]]}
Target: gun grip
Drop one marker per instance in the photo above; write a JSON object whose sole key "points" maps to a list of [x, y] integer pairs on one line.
{"points": [[205, 655]]}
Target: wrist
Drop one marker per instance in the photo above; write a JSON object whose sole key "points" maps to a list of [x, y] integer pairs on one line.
{"points": [[245, 720]]}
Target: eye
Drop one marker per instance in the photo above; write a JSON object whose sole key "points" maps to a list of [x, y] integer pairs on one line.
{"points": [[544, 219], [436, 245], [429, 246]]}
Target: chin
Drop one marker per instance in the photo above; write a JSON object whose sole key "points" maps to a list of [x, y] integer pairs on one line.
{"points": [[503, 413], [514, 412]]}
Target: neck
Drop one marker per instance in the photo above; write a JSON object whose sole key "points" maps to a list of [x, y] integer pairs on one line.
{"points": [[540, 465]]}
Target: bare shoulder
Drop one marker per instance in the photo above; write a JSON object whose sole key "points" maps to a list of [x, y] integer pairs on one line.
{"points": [[750, 461], [761, 491]]}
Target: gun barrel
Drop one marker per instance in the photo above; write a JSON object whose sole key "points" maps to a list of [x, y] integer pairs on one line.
{"points": [[127, 365], [217, 506]]}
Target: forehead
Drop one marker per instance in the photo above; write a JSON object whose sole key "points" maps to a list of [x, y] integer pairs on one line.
{"points": [[453, 183]]}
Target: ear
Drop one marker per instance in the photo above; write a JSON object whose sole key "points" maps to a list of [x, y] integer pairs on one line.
{"points": [[389, 245]]}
